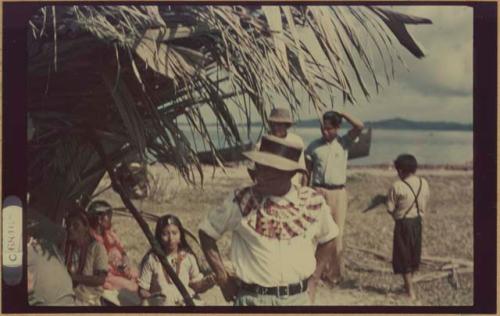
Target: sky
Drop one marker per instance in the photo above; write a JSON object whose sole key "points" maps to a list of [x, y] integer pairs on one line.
{"points": [[437, 87]]}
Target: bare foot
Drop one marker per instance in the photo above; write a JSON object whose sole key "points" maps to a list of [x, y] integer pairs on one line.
{"points": [[411, 295], [332, 283]]}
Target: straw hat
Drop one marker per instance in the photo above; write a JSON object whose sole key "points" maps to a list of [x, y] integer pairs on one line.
{"points": [[278, 153], [280, 115]]}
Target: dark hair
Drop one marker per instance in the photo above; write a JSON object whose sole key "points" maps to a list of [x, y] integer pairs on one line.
{"points": [[69, 247], [333, 118], [406, 163], [174, 220], [77, 214]]}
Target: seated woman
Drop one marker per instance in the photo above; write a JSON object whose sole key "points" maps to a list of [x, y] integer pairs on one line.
{"points": [[86, 260], [121, 273], [155, 286]]}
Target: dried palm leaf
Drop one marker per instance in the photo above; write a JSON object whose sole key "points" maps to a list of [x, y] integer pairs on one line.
{"points": [[177, 58]]}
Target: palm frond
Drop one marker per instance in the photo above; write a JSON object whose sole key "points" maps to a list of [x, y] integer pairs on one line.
{"points": [[128, 72]]}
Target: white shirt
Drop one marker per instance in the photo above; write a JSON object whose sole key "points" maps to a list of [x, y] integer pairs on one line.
{"points": [[45, 262], [400, 198], [270, 261], [155, 280], [329, 160]]}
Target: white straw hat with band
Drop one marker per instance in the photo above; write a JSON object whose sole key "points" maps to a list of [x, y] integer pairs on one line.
{"points": [[277, 153], [280, 115]]}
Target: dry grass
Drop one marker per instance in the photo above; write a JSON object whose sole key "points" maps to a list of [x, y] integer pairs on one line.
{"points": [[448, 231]]}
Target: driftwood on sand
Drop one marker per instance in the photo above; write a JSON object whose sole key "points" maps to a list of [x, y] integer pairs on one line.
{"points": [[453, 274], [446, 266]]}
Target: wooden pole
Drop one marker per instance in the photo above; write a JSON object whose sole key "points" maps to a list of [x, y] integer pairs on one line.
{"points": [[142, 223]]}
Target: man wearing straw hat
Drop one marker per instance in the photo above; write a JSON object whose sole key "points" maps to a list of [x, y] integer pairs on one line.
{"points": [[280, 120], [276, 230]]}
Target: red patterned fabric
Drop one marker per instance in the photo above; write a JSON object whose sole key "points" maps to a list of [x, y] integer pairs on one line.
{"points": [[283, 220], [114, 249]]}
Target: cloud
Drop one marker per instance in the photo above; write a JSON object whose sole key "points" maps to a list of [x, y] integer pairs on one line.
{"points": [[437, 87], [447, 68], [404, 101]]}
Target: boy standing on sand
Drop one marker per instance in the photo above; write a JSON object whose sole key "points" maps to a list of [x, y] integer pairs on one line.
{"points": [[407, 201]]}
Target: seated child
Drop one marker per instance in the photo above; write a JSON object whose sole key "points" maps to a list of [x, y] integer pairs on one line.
{"points": [[154, 282], [86, 260], [407, 201], [121, 273]]}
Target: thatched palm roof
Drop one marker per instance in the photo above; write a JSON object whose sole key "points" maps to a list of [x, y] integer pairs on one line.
{"points": [[126, 73]]}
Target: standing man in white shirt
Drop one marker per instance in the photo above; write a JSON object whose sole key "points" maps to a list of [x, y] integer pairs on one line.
{"points": [[277, 229], [326, 161], [280, 121]]}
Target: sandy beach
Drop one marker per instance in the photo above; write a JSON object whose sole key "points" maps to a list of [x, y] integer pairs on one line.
{"points": [[447, 232]]}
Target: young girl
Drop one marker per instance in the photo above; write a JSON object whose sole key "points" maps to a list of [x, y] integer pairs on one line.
{"points": [[407, 202], [86, 260], [154, 281]]}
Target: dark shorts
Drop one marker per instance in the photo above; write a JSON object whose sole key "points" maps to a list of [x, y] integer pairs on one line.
{"points": [[407, 245]]}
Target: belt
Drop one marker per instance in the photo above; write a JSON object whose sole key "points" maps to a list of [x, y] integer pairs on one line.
{"points": [[330, 186], [286, 290]]}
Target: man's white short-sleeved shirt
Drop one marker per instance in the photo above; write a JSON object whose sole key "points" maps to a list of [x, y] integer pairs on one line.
{"points": [[329, 160], [263, 259]]}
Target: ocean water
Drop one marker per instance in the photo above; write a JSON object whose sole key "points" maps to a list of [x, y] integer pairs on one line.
{"points": [[429, 147]]}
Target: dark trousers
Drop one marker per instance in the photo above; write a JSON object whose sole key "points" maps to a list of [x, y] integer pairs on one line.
{"points": [[407, 245]]}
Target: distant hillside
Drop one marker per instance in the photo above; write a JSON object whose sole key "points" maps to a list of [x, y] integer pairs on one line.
{"points": [[399, 123], [395, 123]]}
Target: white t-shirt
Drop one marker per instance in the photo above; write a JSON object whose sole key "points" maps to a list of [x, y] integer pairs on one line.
{"points": [[329, 160], [275, 242]]}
